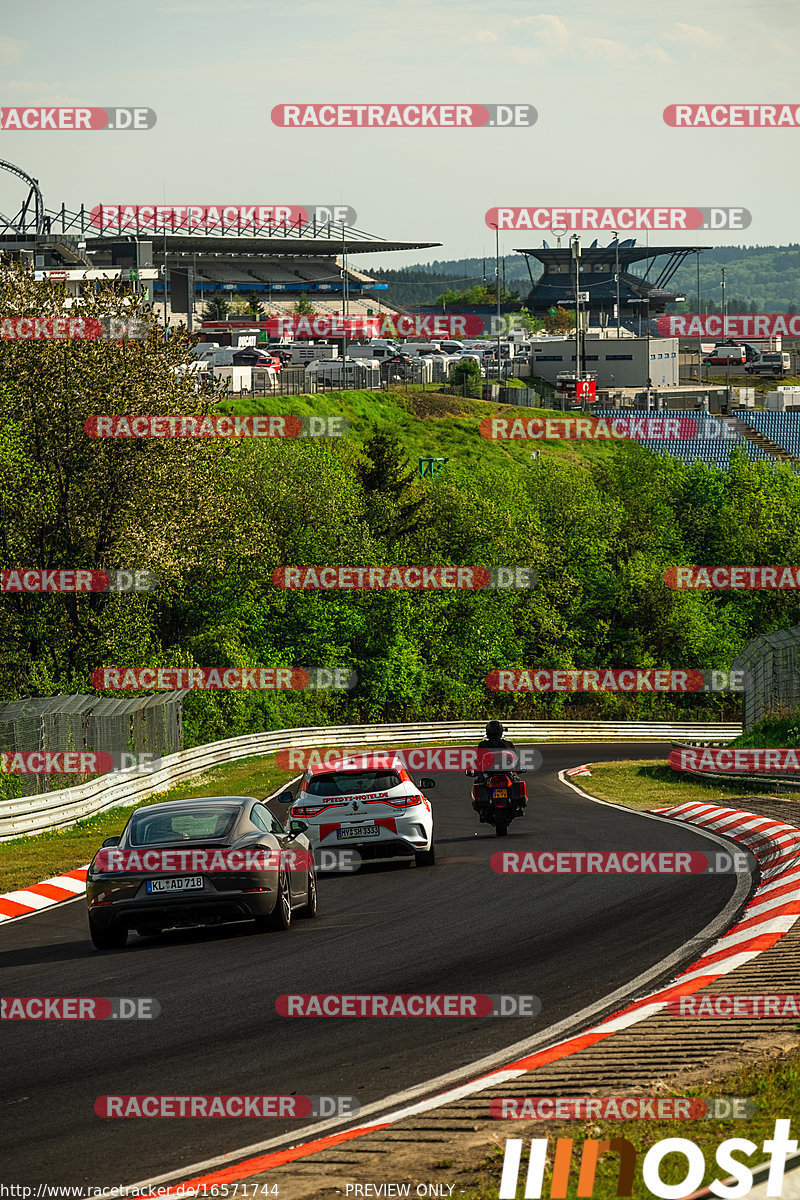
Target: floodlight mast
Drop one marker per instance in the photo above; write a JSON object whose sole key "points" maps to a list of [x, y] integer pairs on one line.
{"points": [[575, 243]]}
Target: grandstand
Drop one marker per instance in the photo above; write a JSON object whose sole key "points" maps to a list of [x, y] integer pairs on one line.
{"points": [[713, 444], [271, 268], [780, 429], [640, 296], [276, 263]]}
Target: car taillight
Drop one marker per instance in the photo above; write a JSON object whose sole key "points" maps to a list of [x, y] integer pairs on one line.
{"points": [[302, 813]]}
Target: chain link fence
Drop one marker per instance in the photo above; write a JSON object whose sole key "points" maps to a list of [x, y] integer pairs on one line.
{"points": [[144, 724], [772, 665]]}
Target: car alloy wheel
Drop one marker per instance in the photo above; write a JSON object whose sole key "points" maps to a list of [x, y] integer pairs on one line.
{"points": [[281, 916], [309, 909]]}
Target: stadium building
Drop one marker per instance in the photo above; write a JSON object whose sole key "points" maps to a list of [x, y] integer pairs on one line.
{"points": [[641, 297], [272, 262]]}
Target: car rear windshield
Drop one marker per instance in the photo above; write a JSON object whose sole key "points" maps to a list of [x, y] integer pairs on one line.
{"points": [[149, 828], [353, 784]]}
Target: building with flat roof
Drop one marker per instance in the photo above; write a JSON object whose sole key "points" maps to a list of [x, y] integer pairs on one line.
{"points": [[614, 362]]}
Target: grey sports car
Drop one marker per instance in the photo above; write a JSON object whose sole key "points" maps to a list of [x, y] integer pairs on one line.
{"points": [[199, 862]]}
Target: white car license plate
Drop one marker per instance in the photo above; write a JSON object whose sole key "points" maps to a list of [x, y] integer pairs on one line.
{"points": [[176, 883], [354, 831]]}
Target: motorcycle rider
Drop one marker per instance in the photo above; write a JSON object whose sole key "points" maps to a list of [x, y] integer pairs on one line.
{"points": [[494, 741]]}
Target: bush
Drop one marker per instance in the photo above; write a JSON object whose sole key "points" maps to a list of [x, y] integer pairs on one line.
{"points": [[466, 371]]}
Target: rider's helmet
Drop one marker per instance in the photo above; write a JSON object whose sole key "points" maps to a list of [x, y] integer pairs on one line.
{"points": [[494, 731]]}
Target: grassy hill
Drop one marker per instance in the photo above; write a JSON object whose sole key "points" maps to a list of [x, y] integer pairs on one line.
{"points": [[430, 425]]}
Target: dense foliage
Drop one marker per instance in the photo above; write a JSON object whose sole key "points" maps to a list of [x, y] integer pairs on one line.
{"points": [[213, 520]]}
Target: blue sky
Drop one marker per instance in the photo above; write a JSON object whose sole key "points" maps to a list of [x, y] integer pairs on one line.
{"points": [[599, 74]]}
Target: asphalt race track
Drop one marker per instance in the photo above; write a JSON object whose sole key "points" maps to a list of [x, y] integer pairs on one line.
{"points": [[454, 927]]}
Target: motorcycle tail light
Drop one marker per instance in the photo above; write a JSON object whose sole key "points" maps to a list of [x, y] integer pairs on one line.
{"points": [[498, 781]]}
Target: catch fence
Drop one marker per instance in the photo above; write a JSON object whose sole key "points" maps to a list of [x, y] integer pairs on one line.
{"points": [[772, 665], [144, 724]]}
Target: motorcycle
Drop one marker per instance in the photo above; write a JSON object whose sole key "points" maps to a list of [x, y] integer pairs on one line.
{"points": [[502, 798]]}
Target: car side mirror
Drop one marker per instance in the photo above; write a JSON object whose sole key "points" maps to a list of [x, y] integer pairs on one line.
{"points": [[285, 798], [112, 841], [297, 827], [427, 783]]}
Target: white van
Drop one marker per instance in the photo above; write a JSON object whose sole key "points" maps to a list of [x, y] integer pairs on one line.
{"points": [[727, 356], [421, 348], [379, 352], [771, 362]]}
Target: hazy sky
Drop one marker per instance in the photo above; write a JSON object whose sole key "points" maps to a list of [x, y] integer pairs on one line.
{"points": [[599, 74]]}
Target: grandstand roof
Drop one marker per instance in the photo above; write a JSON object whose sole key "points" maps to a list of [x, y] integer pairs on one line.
{"points": [[561, 257], [192, 243]]}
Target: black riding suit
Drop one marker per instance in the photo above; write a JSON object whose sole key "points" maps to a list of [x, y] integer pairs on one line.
{"points": [[501, 763]]}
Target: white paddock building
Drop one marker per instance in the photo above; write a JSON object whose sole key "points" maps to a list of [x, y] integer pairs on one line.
{"points": [[615, 362]]}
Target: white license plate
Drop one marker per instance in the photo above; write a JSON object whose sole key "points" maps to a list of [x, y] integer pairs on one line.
{"points": [[175, 883], [358, 831]]}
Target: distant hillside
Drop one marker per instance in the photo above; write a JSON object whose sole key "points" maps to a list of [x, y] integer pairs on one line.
{"points": [[757, 278]]}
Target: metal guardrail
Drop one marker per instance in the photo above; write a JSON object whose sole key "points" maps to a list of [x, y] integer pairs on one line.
{"points": [[56, 810]]}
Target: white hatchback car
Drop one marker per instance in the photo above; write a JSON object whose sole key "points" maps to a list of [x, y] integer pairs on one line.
{"points": [[369, 802]]}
